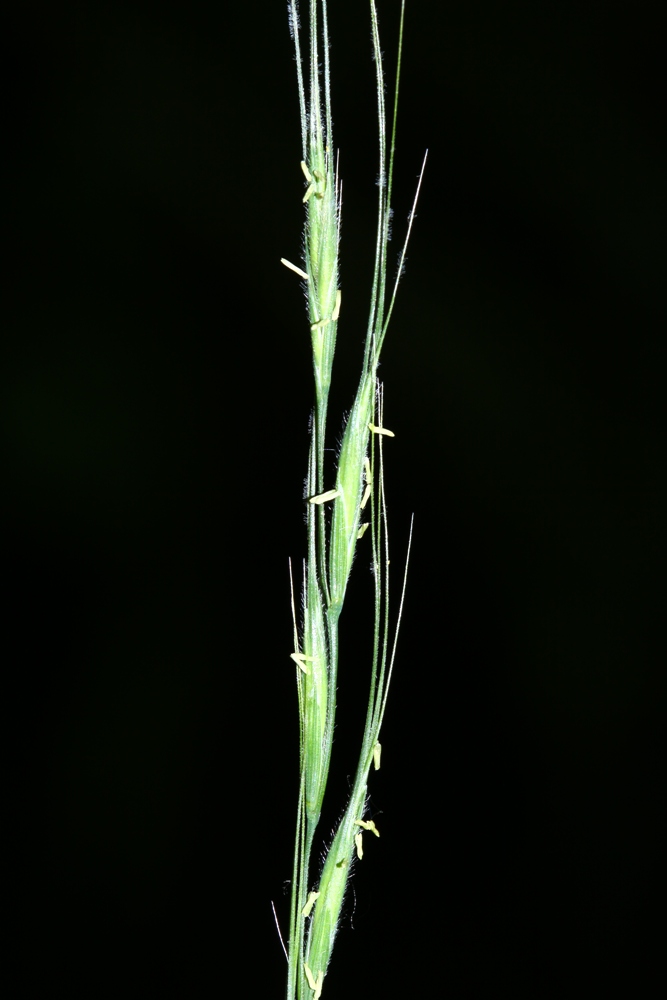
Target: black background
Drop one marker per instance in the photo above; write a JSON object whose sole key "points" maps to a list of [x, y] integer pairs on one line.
{"points": [[155, 398]]}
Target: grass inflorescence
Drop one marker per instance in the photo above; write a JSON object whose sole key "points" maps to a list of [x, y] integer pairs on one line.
{"points": [[343, 513]]}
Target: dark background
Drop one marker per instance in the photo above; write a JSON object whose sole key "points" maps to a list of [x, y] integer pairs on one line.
{"points": [[155, 398]]}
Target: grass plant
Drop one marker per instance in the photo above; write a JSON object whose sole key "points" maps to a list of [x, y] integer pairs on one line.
{"points": [[345, 509]]}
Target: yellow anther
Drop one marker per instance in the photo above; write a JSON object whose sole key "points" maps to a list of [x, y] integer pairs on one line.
{"points": [[310, 902], [300, 659], [368, 825], [315, 984], [293, 267], [324, 497], [358, 840]]}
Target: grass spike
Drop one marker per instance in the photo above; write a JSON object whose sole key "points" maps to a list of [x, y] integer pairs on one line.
{"points": [[334, 514]]}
